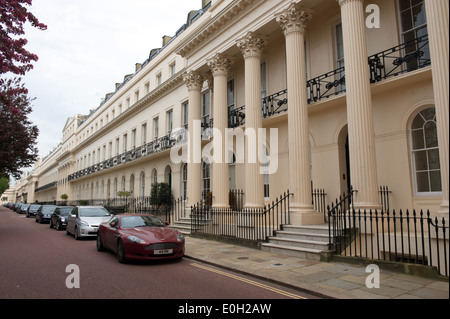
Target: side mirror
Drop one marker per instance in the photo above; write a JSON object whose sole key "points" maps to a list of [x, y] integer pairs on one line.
{"points": [[166, 223], [113, 224]]}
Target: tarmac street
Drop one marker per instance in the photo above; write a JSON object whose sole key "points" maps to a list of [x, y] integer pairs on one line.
{"points": [[211, 269]]}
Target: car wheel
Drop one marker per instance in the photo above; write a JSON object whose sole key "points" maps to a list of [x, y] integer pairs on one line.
{"points": [[58, 225], [75, 233], [120, 252], [51, 224], [100, 246]]}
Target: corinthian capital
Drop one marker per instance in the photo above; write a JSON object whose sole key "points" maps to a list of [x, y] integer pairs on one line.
{"points": [[251, 45], [294, 19], [193, 80], [219, 64]]}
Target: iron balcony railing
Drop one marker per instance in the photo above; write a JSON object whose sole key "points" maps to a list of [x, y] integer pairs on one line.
{"points": [[156, 146], [406, 57]]}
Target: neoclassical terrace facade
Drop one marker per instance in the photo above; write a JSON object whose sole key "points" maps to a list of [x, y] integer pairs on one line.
{"points": [[353, 103]]}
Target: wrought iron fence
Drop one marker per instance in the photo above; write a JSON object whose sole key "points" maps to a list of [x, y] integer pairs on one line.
{"points": [[409, 237], [248, 224]]}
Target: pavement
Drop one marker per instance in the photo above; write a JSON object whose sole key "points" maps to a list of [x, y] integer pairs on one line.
{"points": [[336, 280]]}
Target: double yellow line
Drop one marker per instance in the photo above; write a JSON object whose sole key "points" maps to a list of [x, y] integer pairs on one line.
{"points": [[251, 282]]}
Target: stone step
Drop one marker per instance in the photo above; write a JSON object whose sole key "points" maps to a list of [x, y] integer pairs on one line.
{"points": [[305, 253], [314, 229], [302, 236], [311, 244]]}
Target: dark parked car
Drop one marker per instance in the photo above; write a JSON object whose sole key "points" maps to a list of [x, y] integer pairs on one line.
{"points": [[44, 213], [140, 237], [33, 209], [24, 208], [60, 216], [17, 207]]}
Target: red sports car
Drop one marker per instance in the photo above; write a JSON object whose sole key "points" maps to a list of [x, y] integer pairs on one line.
{"points": [[140, 237]]}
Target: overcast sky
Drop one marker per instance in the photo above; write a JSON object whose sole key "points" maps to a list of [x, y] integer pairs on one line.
{"points": [[90, 45]]}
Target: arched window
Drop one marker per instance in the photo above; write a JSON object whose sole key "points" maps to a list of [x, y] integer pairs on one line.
{"points": [[425, 152]]}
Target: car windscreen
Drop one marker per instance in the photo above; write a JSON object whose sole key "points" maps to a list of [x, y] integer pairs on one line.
{"points": [[140, 221], [64, 211], [93, 212], [48, 209]]}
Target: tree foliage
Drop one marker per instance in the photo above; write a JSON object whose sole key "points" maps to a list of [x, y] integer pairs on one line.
{"points": [[17, 134], [14, 57]]}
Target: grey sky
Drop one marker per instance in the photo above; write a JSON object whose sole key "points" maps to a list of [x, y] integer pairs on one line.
{"points": [[88, 47]]}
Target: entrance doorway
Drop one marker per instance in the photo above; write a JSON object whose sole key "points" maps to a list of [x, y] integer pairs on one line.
{"points": [[344, 161]]}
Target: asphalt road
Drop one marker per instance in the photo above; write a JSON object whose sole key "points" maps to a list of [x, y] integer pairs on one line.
{"points": [[34, 260]]}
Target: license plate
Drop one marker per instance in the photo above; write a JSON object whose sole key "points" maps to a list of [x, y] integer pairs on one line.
{"points": [[163, 251]]}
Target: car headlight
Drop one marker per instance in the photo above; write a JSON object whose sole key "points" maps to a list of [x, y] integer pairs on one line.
{"points": [[180, 237], [83, 223], [134, 239], [63, 219]]}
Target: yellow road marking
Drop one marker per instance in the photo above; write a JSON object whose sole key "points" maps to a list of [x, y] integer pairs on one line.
{"points": [[251, 282]]}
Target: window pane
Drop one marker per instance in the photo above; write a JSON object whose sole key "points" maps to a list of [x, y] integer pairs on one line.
{"points": [[422, 182], [421, 160], [419, 15], [418, 122], [417, 139], [435, 180], [430, 134], [406, 20], [433, 159], [404, 4], [429, 114]]}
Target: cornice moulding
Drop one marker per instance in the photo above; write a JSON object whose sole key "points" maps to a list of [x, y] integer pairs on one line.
{"points": [[211, 26]]}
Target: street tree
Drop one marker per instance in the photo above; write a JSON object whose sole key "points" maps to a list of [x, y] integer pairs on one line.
{"points": [[17, 134]]}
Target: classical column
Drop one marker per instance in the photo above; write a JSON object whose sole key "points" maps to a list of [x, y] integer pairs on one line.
{"points": [[437, 23], [194, 82], [252, 47], [361, 134], [293, 21], [219, 65]]}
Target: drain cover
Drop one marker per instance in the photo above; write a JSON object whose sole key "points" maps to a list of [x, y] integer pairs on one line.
{"points": [[278, 265], [242, 258]]}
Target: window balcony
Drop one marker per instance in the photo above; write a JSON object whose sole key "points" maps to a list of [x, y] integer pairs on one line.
{"points": [[158, 145], [404, 58]]}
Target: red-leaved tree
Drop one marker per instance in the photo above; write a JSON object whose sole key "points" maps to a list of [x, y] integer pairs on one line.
{"points": [[17, 134]]}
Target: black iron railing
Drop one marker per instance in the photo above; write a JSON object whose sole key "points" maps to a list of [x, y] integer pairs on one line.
{"points": [[156, 146], [409, 237], [406, 57], [236, 117], [247, 224], [326, 85], [274, 104]]}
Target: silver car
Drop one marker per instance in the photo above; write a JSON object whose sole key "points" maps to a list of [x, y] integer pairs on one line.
{"points": [[84, 221]]}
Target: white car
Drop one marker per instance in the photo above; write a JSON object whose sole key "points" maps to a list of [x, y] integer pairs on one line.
{"points": [[84, 220]]}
